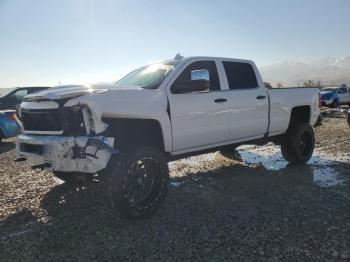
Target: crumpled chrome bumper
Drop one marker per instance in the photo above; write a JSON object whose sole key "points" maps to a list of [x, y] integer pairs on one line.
{"points": [[66, 153]]}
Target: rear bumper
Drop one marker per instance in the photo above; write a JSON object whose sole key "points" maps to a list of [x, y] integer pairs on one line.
{"points": [[66, 153]]}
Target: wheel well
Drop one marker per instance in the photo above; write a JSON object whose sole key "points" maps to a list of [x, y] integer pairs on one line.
{"points": [[300, 114], [131, 133]]}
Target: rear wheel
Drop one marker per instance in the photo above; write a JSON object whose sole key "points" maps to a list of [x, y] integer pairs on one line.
{"points": [[1, 136], [298, 144], [138, 182]]}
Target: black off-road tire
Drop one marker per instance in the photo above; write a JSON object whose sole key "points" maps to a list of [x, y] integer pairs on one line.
{"points": [[1, 136], [299, 144], [123, 175]]}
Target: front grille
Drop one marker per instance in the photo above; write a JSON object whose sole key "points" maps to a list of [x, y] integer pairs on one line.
{"points": [[73, 121], [69, 121], [41, 120]]}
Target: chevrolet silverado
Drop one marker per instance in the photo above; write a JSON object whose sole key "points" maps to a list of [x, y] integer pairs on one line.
{"points": [[128, 131]]}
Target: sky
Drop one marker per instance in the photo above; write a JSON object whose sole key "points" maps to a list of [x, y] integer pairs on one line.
{"points": [[50, 42]]}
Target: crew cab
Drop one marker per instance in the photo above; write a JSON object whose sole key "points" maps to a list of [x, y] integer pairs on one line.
{"points": [[128, 131]]}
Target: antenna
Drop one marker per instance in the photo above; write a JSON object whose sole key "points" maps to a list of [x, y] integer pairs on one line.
{"points": [[178, 56]]}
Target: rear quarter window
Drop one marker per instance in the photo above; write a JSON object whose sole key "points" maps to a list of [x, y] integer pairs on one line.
{"points": [[240, 75]]}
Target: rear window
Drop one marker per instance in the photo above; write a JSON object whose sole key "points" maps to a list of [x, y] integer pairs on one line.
{"points": [[240, 75]]}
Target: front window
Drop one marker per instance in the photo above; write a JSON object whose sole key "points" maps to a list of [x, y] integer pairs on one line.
{"points": [[148, 77], [199, 70]]}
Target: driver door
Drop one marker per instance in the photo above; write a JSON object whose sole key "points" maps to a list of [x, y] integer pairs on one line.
{"points": [[199, 118]]}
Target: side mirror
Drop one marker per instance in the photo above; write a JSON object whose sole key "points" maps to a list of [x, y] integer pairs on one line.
{"points": [[202, 74]]}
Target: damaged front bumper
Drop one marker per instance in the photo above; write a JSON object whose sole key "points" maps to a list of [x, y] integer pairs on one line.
{"points": [[83, 154]]}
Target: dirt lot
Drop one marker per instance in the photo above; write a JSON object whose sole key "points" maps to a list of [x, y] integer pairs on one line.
{"points": [[250, 206]]}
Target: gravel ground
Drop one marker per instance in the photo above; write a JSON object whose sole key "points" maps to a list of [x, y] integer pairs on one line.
{"points": [[247, 206]]}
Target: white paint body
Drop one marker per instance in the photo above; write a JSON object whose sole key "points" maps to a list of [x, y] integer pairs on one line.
{"points": [[190, 122]]}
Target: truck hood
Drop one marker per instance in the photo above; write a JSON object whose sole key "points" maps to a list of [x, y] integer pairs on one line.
{"points": [[104, 101], [124, 103], [65, 92]]}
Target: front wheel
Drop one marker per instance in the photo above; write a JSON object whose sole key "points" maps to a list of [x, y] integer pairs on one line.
{"points": [[138, 182], [299, 144]]}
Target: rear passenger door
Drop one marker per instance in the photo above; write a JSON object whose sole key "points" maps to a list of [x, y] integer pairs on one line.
{"points": [[247, 102]]}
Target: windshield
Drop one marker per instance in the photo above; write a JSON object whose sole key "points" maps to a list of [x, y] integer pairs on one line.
{"points": [[148, 77]]}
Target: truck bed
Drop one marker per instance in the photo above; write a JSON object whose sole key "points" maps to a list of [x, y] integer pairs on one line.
{"points": [[282, 100]]}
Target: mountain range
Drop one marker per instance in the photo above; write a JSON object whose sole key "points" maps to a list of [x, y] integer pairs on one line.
{"points": [[329, 71]]}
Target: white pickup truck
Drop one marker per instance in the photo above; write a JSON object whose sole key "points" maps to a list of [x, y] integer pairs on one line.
{"points": [[164, 111]]}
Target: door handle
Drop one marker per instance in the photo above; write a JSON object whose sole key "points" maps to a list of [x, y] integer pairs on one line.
{"points": [[260, 97], [220, 100]]}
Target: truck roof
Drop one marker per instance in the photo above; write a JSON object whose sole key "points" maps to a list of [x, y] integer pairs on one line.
{"points": [[215, 57]]}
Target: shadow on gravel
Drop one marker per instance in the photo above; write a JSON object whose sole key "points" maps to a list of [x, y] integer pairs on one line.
{"points": [[6, 146], [325, 172], [234, 212]]}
